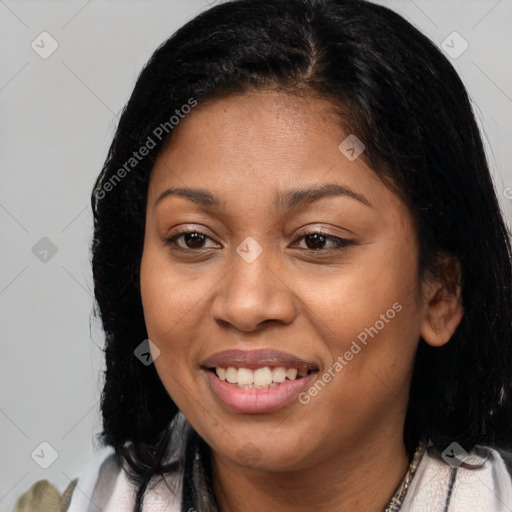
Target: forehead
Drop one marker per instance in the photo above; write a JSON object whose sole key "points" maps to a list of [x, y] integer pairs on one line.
{"points": [[260, 160], [264, 140]]}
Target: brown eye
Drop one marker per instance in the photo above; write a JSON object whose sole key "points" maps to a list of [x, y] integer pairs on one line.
{"points": [[315, 241], [192, 239]]}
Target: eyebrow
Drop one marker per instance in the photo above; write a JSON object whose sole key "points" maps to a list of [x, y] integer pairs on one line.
{"points": [[291, 199]]}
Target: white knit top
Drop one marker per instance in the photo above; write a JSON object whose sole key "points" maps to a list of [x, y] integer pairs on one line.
{"points": [[435, 487]]}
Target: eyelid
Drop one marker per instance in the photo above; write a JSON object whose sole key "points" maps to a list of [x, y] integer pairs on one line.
{"points": [[340, 242], [183, 230], [190, 228]]}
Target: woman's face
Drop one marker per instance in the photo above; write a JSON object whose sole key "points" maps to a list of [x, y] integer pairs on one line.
{"points": [[257, 290]]}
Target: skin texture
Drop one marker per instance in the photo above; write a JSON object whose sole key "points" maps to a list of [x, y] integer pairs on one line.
{"points": [[324, 454]]}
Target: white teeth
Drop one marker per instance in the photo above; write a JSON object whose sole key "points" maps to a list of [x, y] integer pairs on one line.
{"points": [[245, 376], [261, 378], [292, 373], [279, 374], [232, 375]]}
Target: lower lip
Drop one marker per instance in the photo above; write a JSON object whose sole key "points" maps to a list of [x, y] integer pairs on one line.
{"points": [[256, 401]]}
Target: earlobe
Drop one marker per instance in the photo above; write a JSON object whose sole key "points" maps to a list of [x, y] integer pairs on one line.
{"points": [[443, 304]]}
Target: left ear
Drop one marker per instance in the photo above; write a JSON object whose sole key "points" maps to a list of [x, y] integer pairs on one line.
{"points": [[442, 294]]}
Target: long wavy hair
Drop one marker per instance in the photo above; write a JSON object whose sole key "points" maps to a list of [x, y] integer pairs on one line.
{"points": [[405, 101]]}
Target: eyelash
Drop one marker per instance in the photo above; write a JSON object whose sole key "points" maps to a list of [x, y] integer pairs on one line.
{"points": [[341, 243]]}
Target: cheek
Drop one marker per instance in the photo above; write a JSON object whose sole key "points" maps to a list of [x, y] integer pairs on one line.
{"points": [[169, 296], [174, 302], [355, 298], [162, 311], [165, 301], [371, 318]]}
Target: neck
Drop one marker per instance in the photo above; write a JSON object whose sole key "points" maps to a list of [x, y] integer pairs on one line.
{"points": [[361, 477]]}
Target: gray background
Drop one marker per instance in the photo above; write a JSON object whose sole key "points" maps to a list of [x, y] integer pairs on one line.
{"points": [[57, 119]]}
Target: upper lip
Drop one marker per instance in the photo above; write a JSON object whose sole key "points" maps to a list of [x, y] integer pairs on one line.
{"points": [[257, 358]]}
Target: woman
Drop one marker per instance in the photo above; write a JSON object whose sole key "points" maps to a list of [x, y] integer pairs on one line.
{"points": [[303, 274]]}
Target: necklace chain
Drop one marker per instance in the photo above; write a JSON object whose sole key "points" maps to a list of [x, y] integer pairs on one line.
{"points": [[396, 501]]}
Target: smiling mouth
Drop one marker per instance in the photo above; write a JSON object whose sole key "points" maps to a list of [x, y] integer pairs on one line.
{"points": [[266, 377]]}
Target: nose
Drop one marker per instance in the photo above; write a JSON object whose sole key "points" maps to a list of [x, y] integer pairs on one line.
{"points": [[254, 292]]}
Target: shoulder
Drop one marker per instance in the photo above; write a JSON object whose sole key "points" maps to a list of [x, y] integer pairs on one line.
{"points": [[106, 486], [438, 484], [491, 485], [96, 482]]}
